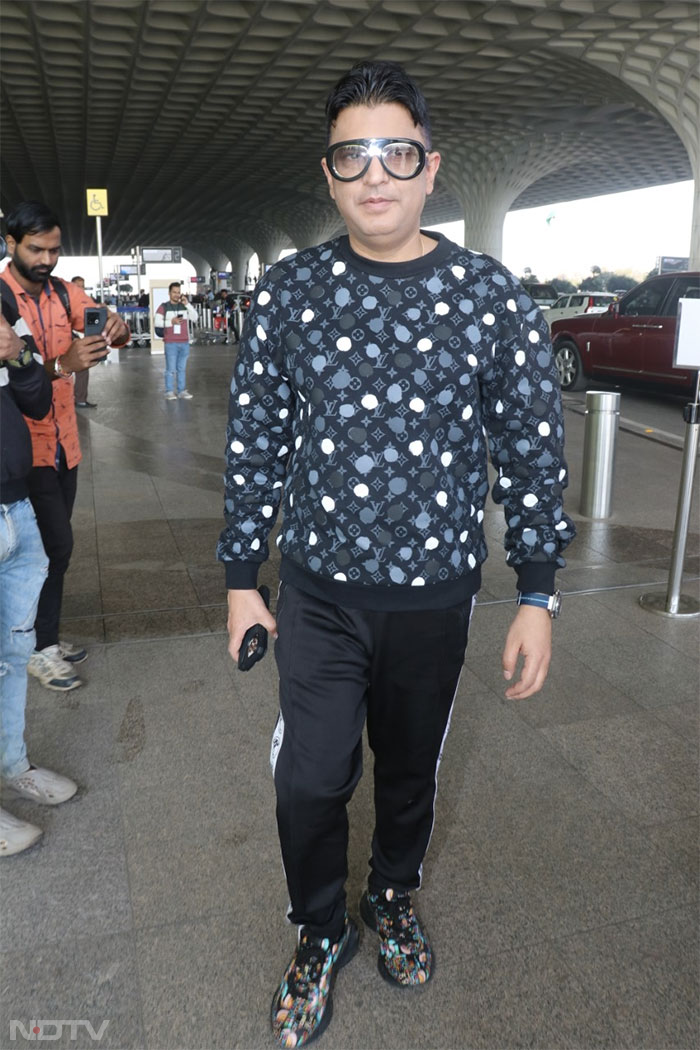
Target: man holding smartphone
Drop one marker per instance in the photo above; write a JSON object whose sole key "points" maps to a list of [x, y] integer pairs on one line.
{"points": [[376, 374], [48, 311], [171, 325]]}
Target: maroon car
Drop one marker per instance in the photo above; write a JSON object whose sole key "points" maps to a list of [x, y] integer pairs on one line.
{"points": [[633, 339]]}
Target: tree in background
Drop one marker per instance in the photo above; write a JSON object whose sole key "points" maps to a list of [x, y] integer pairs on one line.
{"points": [[594, 283], [599, 281], [619, 282], [563, 285]]}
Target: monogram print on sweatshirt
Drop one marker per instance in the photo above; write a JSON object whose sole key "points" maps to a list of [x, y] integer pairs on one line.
{"points": [[360, 398]]}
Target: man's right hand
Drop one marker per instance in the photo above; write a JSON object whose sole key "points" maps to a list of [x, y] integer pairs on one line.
{"points": [[84, 353], [245, 609]]}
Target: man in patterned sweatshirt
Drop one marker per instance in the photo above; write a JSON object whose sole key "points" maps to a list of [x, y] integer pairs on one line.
{"points": [[370, 369]]}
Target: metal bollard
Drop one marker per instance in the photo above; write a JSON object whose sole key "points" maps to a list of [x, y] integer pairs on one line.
{"points": [[600, 436]]}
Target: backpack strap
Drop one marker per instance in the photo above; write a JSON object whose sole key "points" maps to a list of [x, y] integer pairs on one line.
{"points": [[62, 293], [10, 310]]}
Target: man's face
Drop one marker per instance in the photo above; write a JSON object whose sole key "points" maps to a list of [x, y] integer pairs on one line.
{"points": [[175, 294], [381, 213], [35, 256]]}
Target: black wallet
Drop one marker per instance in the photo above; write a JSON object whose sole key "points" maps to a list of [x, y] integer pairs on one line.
{"points": [[254, 644]]}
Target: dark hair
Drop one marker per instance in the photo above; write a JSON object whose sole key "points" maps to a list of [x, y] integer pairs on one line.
{"points": [[175, 284], [370, 84], [30, 217], [77, 278]]}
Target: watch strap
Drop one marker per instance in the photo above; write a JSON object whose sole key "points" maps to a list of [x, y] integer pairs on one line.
{"points": [[551, 603], [534, 598]]}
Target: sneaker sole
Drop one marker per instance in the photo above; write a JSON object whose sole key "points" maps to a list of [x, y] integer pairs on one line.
{"points": [[347, 955], [57, 685], [370, 921], [29, 797]]}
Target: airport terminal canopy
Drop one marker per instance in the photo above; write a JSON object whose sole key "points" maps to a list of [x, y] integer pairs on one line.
{"points": [[205, 118]]}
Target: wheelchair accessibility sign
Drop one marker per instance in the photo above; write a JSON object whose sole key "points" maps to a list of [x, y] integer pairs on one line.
{"points": [[97, 202]]}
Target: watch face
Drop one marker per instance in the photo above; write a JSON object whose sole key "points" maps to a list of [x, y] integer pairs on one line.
{"points": [[555, 604]]}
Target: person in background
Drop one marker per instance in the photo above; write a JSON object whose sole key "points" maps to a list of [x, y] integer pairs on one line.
{"points": [[171, 324], [375, 375], [25, 390], [80, 390], [50, 311]]}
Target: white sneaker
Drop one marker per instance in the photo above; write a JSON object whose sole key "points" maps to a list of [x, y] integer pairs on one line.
{"points": [[72, 654], [171, 396], [16, 835], [41, 785], [52, 670], [185, 395]]}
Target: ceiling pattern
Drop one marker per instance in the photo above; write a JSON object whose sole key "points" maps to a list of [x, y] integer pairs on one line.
{"points": [[204, 118]]}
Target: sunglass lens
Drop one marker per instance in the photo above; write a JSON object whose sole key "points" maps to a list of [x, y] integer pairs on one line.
{"points": [[349, 161], [402, 159]]}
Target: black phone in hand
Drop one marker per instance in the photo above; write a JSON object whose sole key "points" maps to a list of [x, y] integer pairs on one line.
{"points": [[95, 319], [254, 644]]}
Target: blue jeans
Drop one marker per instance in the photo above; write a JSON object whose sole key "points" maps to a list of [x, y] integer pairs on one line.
{"points": [[176, 355], [23, 569]]}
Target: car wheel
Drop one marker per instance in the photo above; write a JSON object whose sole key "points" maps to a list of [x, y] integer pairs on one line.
{"points": [[569, 367]]}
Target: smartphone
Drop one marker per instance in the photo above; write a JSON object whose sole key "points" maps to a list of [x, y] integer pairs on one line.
{"points": [[95, 319], [254, 644]]}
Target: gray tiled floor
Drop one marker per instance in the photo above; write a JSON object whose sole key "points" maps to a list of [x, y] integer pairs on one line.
{"points": [[561, 885]]}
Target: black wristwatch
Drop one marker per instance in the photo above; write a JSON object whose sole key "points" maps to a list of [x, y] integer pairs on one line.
{"points": [[550, 602]]}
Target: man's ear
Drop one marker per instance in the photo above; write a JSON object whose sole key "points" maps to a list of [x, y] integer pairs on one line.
{"points": [[11, 244], [329, 178], [432, 163]]}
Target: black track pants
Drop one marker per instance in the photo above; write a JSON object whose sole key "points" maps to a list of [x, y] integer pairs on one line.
{"points": [[337, 666], [52, 493]]}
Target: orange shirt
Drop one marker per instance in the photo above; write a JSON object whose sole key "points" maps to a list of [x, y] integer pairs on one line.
{"points": [[53, 333]]}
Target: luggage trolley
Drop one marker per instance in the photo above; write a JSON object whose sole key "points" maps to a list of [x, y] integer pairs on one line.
{"points": [[137, 318], [213, 325]]}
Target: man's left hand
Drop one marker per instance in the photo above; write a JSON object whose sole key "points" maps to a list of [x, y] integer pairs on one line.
{"points": [[530, 636], [115, 331]]}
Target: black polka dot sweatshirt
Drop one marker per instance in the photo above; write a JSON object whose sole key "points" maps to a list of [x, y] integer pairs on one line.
{"points": [[363, 397]]}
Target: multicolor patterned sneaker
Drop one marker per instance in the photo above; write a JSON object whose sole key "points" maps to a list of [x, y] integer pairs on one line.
{"points": [[405, 955], [302, 1007]]}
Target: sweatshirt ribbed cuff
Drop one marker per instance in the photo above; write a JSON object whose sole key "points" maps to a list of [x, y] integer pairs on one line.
{"points": [[536, 576], [241, 575]]}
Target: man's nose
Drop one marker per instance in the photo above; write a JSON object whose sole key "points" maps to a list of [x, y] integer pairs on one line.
{"points": [[375, 172]]}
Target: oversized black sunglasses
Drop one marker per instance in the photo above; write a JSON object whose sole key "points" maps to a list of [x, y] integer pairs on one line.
{"points": [[400, 158]]}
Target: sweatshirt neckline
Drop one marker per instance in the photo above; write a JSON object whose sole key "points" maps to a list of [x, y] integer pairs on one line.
{"points": [[408, 268]]}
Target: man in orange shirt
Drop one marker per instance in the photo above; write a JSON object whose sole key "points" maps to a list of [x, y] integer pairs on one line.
{"points": [[52, 311]]}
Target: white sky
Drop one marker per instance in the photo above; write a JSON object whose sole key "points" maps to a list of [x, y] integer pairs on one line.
{"points": [[624, 232]]}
